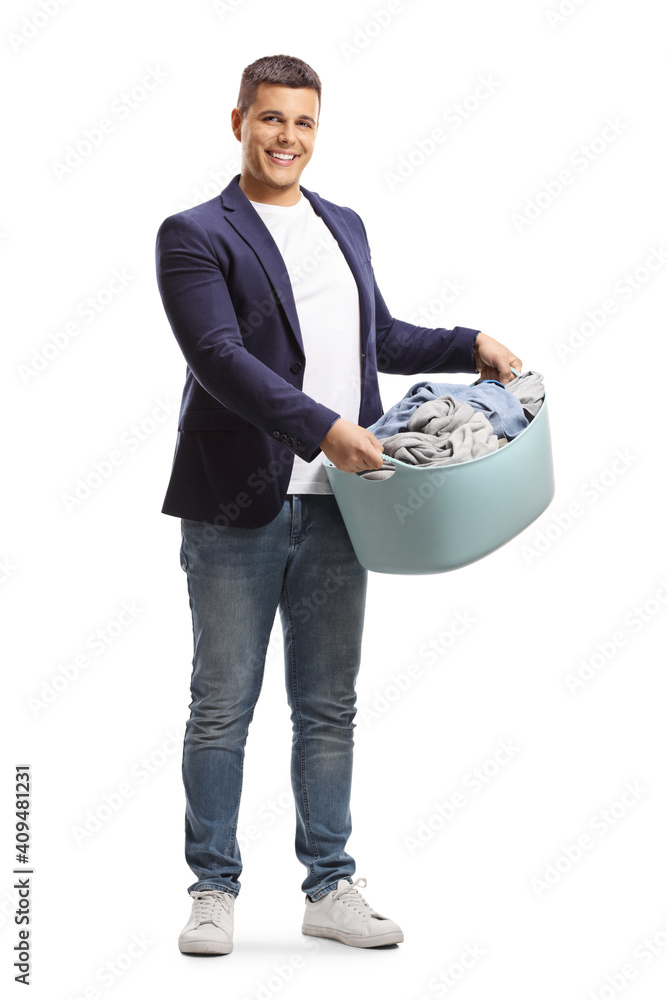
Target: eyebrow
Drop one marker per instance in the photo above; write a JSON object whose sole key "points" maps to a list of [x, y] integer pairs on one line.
{"points": [[272, 111]]}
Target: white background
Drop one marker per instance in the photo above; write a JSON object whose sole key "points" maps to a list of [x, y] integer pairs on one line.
{"points": [[541, 604]]}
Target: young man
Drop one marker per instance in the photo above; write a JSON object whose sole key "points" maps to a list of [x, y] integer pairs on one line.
{"points": [[270, 292]]}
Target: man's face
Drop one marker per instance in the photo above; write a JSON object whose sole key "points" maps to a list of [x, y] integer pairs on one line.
{"points": [[277, 137]]}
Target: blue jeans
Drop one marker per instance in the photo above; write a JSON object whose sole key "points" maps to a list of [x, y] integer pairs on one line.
{"points": [[303, 563]]}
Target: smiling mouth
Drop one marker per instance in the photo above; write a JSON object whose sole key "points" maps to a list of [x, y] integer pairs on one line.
{"points": [[279, 157]]}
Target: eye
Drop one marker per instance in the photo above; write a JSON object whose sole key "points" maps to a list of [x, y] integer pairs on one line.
{"points": [[307, 124]]}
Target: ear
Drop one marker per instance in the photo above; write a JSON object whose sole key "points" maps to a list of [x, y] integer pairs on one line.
{"points": [[237, 120]]}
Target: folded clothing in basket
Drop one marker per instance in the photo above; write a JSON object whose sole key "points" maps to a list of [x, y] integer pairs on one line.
{"points": [[440, 432], [503, 409]]}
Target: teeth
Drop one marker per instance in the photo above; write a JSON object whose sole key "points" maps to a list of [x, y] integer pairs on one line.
{"points": [[283, 156]]}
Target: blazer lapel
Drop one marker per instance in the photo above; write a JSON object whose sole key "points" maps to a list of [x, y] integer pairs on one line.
{"points": [[250, 227], [247, 223]]}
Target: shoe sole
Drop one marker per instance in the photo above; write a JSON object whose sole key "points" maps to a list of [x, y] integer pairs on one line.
{"points": [[391, 937], [205, 947]]}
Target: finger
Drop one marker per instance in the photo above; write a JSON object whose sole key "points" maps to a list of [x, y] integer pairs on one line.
{"points": [[504, 373], [374, 441]]}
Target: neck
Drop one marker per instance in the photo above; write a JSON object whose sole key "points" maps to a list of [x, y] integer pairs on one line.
{"points": [[266, 195]]}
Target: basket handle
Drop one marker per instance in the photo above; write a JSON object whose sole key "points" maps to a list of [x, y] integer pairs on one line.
{"points": [[385, 458], [394, 461], [480, 381]]}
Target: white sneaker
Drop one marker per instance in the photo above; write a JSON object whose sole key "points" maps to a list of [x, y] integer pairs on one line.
{"points": [[345, 916], [210, 929]]}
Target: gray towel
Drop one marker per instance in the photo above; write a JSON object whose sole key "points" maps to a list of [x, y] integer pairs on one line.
{"points": [[529, 390], [388, 469], [442, 431], [385, 472]]}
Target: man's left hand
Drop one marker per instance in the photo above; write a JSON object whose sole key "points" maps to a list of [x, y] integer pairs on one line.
{"points": [[493, 360]]}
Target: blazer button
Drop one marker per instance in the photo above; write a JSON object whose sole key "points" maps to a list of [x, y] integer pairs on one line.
{"points": [[290, 442], [283, 438], [297, 444], [296, 367], [276, 435]]}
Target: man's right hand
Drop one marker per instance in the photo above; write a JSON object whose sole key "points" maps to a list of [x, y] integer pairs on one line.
{"points": [[352, 448]]}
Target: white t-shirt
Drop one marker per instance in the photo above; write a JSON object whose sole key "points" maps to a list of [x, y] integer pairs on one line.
{"points": [[327, 304]]}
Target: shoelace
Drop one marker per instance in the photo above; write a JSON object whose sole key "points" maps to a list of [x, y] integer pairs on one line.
{"points": [[209, 905], [351, 895]]}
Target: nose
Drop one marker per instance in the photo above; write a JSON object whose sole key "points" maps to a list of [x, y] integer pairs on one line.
{"points": [[286, 133]]}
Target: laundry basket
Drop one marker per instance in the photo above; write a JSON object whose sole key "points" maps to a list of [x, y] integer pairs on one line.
{"points": [[438, 518]]}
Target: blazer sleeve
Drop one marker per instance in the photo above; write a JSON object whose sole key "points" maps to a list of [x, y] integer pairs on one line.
{"points": [[405, 349], [201, 313]]}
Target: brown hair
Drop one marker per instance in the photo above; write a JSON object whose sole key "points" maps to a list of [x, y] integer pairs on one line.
{"points": [[284, 71]]}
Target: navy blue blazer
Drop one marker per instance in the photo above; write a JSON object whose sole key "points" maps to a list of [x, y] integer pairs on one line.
{"points": [[244, 416]]}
